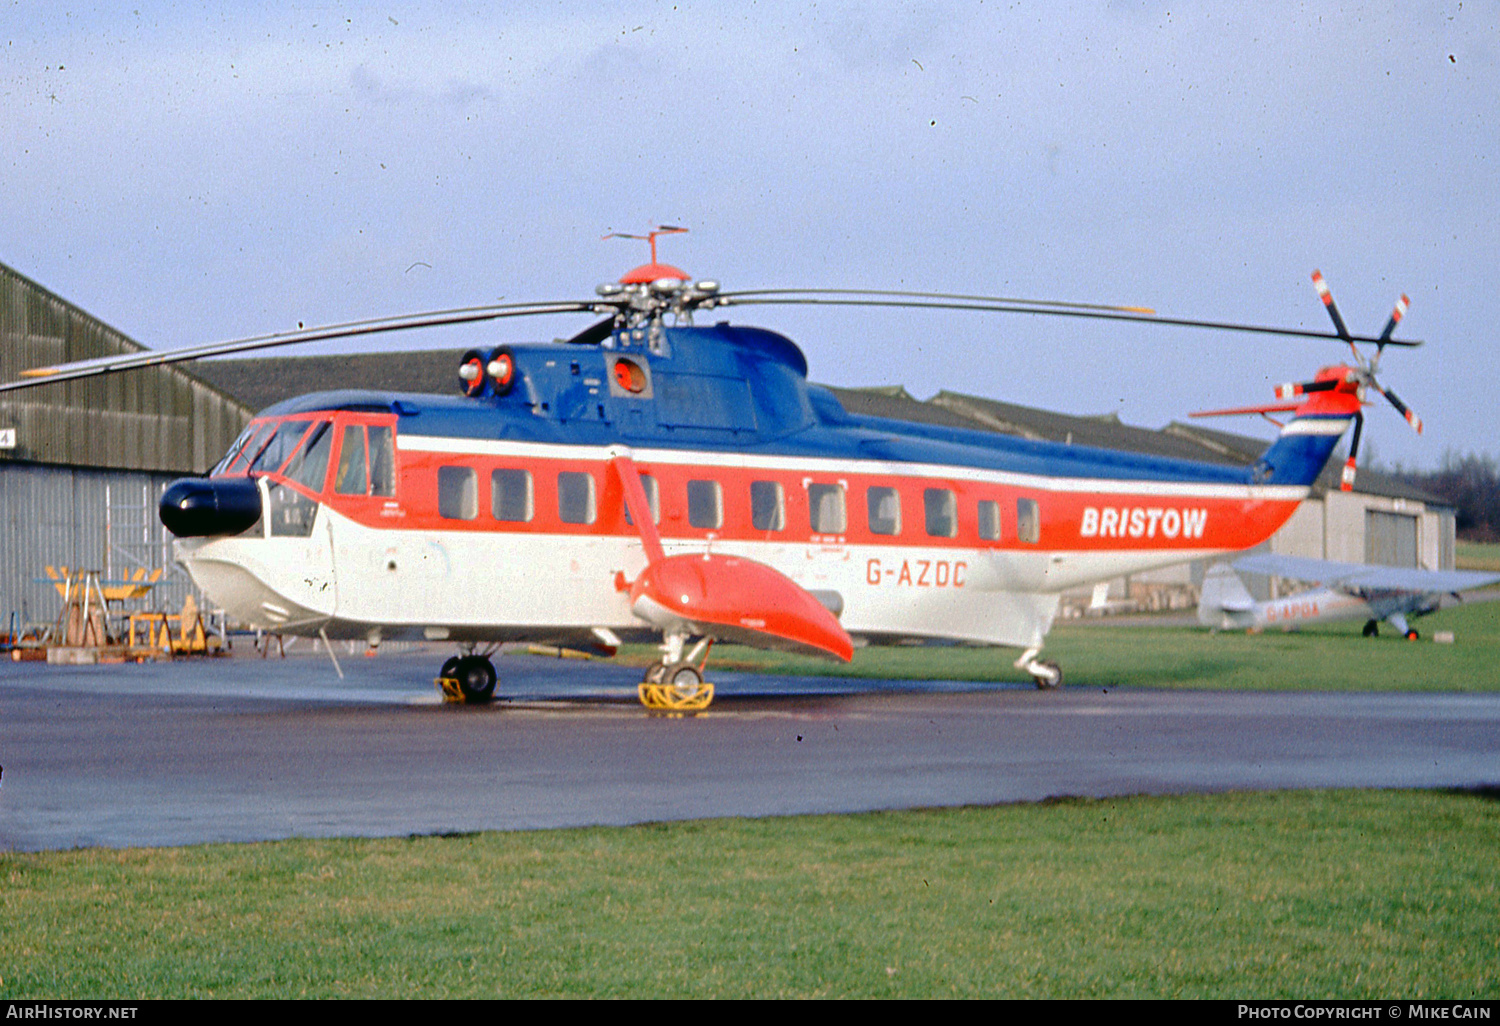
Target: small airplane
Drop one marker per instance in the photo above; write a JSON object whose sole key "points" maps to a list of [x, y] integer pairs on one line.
{"points": [[650, 477], [1351, 591]]}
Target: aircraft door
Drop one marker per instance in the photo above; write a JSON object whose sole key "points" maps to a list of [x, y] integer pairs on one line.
{"points": [[376, 568], [299, 527], [827, 519]]}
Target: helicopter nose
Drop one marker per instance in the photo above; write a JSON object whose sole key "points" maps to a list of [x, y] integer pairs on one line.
{"points": [[197, 507]]}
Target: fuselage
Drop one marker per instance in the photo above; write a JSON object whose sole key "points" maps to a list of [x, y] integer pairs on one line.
{"points": [[1326, 605], [499, 516]]}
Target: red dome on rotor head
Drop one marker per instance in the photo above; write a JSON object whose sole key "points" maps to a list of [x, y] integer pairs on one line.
{"points": [[647, 273]]}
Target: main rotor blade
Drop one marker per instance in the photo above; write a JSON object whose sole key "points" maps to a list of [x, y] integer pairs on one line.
{"points": [[1060, 304], [784, 298], [354, 329], [594, 333]]}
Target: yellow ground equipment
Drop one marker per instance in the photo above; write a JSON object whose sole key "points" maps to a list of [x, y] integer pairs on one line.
{"points": [[180, 634]]}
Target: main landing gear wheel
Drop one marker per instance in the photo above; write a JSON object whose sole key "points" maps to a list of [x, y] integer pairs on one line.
{"points": [[469, 678], [1372, 629], [677, 688]]}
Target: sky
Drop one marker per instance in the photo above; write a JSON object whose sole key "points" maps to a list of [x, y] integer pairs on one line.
{"points": [[189, 174]]}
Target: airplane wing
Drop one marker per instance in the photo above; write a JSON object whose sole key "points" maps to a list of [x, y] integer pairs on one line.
{"points": [[1363, 576]]}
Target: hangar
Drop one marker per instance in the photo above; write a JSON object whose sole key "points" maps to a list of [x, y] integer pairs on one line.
{"points": [[83, 463]]}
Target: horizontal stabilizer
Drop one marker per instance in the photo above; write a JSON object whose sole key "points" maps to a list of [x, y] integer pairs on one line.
{"points": [[1237, 410]]}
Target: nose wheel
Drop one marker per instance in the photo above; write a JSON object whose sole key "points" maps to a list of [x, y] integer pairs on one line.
{"points": [[467, 678]]}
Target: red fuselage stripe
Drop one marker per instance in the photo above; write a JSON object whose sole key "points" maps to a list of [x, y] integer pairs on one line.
{"points": [[1069, 520]]}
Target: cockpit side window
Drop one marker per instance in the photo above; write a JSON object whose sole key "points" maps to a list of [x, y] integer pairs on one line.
{"points": [[367, 461], [382, 460], [279, 449], [234, 451], [244, 449], [310, 466], [352, 477]]}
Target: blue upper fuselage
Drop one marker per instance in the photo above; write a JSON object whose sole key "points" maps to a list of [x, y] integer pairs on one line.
{"points": [[726, 388]]}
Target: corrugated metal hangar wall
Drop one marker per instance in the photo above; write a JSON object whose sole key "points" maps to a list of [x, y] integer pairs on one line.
{"points": [[82, 463]]}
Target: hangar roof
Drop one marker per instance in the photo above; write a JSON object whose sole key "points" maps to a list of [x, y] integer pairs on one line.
{"points": [[162, 419]]}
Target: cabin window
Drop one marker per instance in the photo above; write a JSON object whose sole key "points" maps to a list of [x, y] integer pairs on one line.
{"points": [[941, 509], [653, 499], [510, 495], [458, 493], [575, 497], [1028, 521], [989, 520], [705, 504], [885, 510], [309, 467], [279, 449], [767, 506], [352, 478], [825, 508]]}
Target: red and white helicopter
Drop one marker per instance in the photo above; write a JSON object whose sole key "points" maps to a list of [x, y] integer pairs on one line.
{"points": [[652, 476]]}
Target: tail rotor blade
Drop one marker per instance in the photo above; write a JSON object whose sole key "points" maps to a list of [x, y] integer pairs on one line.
{"points": [[1401, 408], [1346, 480], [1295, 388], [1396, 315], [1326, 295]]}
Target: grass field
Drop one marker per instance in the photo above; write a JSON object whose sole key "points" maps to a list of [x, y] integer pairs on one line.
{"points": [[1316, 894], [1477, 556], [1096, 653]]}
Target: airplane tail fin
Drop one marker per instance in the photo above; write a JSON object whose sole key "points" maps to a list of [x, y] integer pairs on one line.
{"points": [[1225, 601]]}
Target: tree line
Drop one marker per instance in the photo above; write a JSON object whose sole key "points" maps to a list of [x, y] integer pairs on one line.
{"points": [[1471, 485]]}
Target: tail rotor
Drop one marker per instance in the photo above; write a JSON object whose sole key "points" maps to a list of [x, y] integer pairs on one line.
{"points": [[1298, 396]]}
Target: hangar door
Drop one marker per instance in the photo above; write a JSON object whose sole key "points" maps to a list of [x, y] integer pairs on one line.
{"points": [[1390, 538]]}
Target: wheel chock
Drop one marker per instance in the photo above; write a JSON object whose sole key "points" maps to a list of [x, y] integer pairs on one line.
{"points": [[450, 689], [666, 698]]}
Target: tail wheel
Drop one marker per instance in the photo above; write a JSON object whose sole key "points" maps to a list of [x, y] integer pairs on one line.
{"points": [[1048, 675], [1412, 635]]}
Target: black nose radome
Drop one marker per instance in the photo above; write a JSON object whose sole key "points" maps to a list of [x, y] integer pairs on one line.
{"points": [[197, 507]]}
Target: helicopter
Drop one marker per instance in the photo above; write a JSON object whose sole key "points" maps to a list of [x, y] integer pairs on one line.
{"points": [[654, 478]]}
